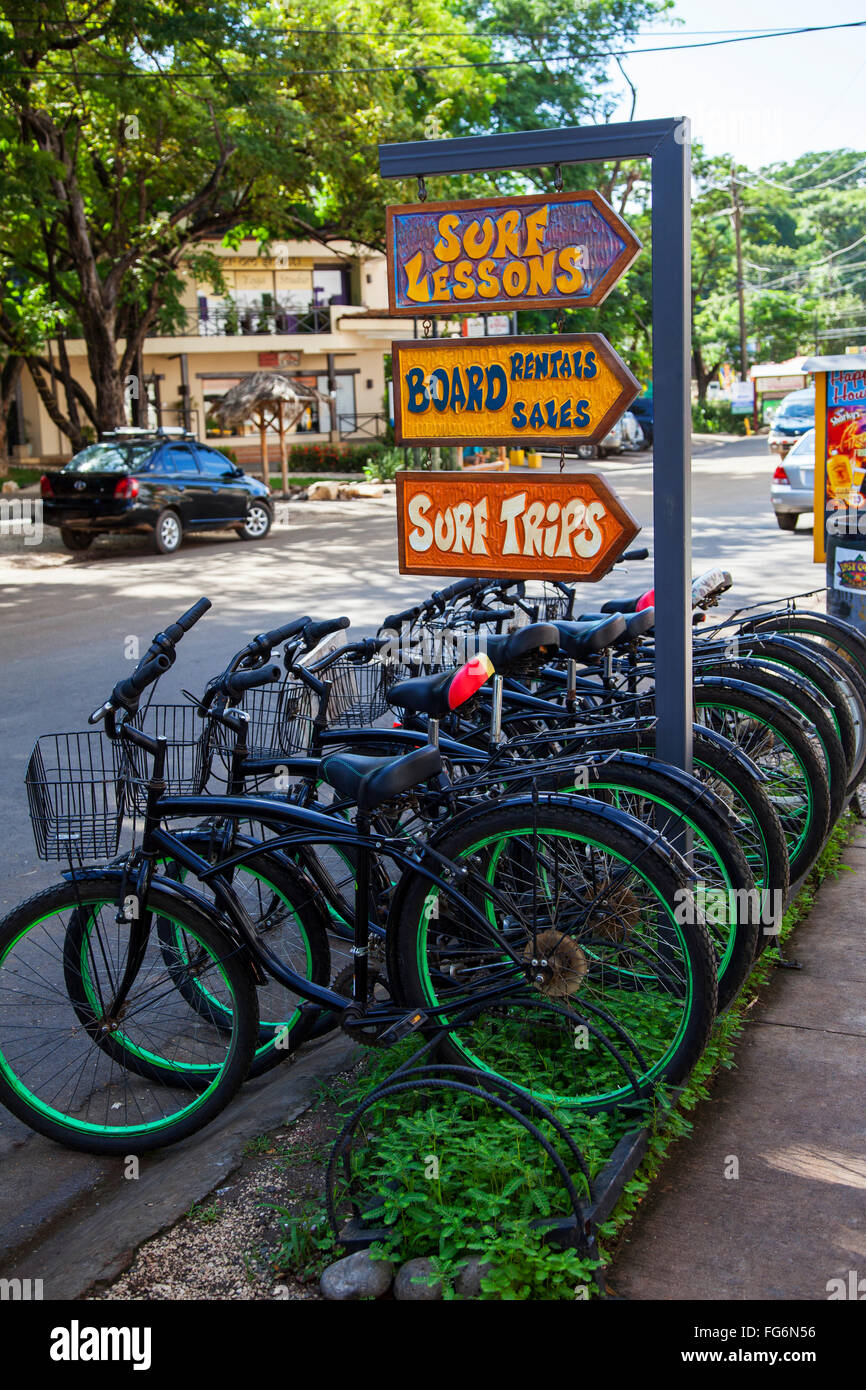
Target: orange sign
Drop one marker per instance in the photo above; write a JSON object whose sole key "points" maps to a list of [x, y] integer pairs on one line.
{"points": [[557, 526], [558, 388]]}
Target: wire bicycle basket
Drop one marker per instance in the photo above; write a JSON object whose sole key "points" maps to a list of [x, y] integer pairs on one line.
{"points": [[359, 691], [191, 751], [282, 719], [76, 800]]}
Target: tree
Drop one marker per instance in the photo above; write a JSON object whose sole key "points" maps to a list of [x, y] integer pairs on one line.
{"points": [[136, 133]]}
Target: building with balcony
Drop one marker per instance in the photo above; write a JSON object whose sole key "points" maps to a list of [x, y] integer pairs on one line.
{"points": [[317, 314]]}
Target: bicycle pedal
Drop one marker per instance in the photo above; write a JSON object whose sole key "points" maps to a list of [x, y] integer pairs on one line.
{"points": [[410, 1023]]}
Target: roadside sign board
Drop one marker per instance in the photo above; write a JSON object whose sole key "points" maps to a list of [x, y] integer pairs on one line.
{"points": [[555, 526], [558, 388], [535, 252], [840, 447]]}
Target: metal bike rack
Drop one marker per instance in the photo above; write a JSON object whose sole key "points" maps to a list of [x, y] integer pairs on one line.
{"points": [[578, 1230]]}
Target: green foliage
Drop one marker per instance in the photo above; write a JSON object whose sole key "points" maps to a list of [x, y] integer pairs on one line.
{"points": [[331, 458], [716, 417], [382, 466]]}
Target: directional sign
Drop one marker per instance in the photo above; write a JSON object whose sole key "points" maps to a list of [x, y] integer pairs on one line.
{"points": [[555, 526], [505, 253], [560, 388]]}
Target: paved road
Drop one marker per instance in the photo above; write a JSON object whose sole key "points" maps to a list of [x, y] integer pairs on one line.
{"points": [[67, 621]]}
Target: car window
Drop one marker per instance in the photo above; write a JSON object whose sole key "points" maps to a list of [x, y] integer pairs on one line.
{"points": [[797, 410], [110, 458], [214, 464], [804, 445], [177, 458]]}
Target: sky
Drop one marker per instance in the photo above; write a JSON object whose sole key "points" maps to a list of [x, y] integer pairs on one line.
{"points": [[763, 101]]}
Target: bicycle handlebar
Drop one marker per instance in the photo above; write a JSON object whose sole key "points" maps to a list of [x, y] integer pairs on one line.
{"points": [[159, 656], [315, 632], [240, 681]]}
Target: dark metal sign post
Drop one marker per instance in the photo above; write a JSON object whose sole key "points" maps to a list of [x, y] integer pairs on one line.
{"points": [[666, 143]]}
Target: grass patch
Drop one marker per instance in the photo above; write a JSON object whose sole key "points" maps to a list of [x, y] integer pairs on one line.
{"points": [[447, 1176]]}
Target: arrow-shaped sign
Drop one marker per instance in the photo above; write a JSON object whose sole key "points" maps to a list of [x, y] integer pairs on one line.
{"points": [[559, 388], [491, 254]]}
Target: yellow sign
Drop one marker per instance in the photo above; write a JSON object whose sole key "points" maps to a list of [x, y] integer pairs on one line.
{"points": [[560, 388], [542, 250]]}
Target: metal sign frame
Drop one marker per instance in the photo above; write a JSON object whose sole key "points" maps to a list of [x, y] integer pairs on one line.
{"points": [[667, 144]]}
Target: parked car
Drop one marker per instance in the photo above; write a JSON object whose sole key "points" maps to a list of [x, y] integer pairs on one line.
{"points": [[625, 436], [792, 488], [794, 417], [163, 482], [642, 410]]}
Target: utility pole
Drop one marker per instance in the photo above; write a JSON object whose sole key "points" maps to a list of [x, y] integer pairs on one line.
{"points": [[737, 211]]}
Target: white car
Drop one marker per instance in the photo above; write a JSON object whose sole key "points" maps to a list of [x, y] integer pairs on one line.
{"points": [[625, 436], [792, 488]]}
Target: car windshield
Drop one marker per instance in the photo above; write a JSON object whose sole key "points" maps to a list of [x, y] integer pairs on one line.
{"points": [[805, 445], [110, 458], [797, 410]]}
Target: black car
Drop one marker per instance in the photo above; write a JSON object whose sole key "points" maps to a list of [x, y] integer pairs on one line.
{"points": [[153, 483], [642, 409]]}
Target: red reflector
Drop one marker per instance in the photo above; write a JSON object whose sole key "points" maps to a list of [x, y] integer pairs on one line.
{"points": [[646, 600], [780, 476], [127, 487], [469, 679], [45, 486], [398, 724]]}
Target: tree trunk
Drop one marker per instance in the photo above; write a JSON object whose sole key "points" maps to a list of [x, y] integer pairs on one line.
{"points": [[9, 378]]}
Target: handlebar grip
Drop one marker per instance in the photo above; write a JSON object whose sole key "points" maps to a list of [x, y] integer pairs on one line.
{"points": [[641, 554], [240, 681], [395, 621], [282, 634], [127, 691], [314, 632], [192, 615], [455, 590]]}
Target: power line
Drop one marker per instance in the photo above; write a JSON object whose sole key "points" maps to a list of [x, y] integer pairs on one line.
{"points": [[430, 67]]}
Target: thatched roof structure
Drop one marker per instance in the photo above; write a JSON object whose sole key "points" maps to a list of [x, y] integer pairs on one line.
{"points": [[265, 390]]}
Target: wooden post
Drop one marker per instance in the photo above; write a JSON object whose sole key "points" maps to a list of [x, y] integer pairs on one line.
{"points": [[284, 455], [263, 439]]}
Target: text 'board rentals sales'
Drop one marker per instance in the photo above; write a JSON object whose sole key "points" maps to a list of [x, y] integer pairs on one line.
{"points": [[556, 388]]}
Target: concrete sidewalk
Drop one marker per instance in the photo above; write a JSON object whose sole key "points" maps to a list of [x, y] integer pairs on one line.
{"points": [[790, 1120]]}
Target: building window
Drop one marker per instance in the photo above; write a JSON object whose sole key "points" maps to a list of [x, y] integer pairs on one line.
{"points": [[330, 285]]}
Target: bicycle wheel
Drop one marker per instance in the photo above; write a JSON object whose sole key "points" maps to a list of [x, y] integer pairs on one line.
{"points": [[727, 890], [806, 700], [845, 648], [595, 965], [64, 1061], [796, 780], [288, 924]]}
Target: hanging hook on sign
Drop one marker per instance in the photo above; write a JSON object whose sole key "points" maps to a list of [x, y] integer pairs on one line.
{"points": [[557, 177], [422, 189]]}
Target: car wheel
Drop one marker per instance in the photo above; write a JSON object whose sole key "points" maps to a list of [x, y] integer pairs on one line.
{"points": [[586, 451], [786, 521], [168, 532], [76, 540], [258, 522]]}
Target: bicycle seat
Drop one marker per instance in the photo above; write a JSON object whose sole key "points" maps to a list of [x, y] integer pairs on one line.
{"points": [[636, 624], [371, 781], [628, 605], [582, 639], [511, 648], [423, 695]]}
